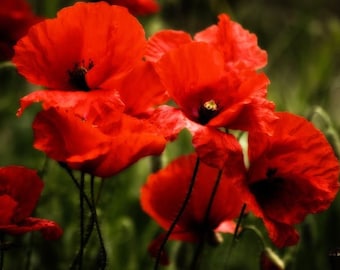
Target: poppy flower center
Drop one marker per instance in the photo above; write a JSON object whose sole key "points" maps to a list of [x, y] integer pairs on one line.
{"points": [[268, 189], [207, 111], [77, 75]]}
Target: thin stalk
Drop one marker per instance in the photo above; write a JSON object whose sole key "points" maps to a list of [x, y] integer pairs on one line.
{"points": [[233, 241], [200, 246], [95, 218], [179, 214], [2, 251], [82, 218], [101, 186], [197, 254], [90, 225]]}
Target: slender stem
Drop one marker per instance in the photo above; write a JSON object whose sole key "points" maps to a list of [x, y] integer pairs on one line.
{"points": [[178, 216], [212, 196], [29, 252], [100, 237], [89, 229], [197, 254], [200, 245], [82, 218], [2, 250], [233, 241], [101, 186]]}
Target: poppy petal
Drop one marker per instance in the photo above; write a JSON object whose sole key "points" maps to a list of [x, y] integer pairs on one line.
{"points": [[142, 79], [165, 41], [237, 44], [60, 134], [77, 100], [49, 229], [134, 139], [44, 56], [213, 146], [15, 181]]}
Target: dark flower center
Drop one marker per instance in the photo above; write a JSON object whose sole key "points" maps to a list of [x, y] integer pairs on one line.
{"points": [[207, 111], [268, 189], [77, 75]]}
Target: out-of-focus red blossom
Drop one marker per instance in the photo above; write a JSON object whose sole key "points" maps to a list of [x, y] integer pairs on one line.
{"points": [[238, 46], [210, 96], [164, 192], [137, 7], [292, 173], [20, 190], [16, 17], [97, 93]]}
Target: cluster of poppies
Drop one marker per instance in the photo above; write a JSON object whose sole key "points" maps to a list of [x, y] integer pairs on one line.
{"points": [[110, 97]]}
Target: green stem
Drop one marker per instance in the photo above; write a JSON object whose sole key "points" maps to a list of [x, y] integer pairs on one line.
{"points": [[200, 245], [235, 236], [100, 237], [197, 254], [84, 236], [2, 250], [178, 216], [82, 217], [101, 186]]}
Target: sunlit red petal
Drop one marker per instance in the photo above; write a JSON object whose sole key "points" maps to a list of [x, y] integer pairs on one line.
{"points": [[169, 120], [213, 146], [247, 108], [98, 32], [141, 90], [79, 101], [165, 41], [64, 136], [237, 44], [133, 140]]}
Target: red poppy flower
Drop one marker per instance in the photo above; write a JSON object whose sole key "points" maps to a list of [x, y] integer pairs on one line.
{"points": [[20, 190], [98, 52], [16, 17], [292, 173], [137, 7], [211, 96], [164, 192], [238, 46], [86, 128]]}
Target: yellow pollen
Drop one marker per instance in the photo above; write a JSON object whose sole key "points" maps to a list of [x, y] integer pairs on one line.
{"points": [[210, 105]]}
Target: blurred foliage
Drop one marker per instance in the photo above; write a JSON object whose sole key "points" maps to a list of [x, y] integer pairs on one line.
{"points": [[302, 39]]}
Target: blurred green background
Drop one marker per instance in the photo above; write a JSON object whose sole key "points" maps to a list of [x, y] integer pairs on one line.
{"points": [[302, 39]]}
